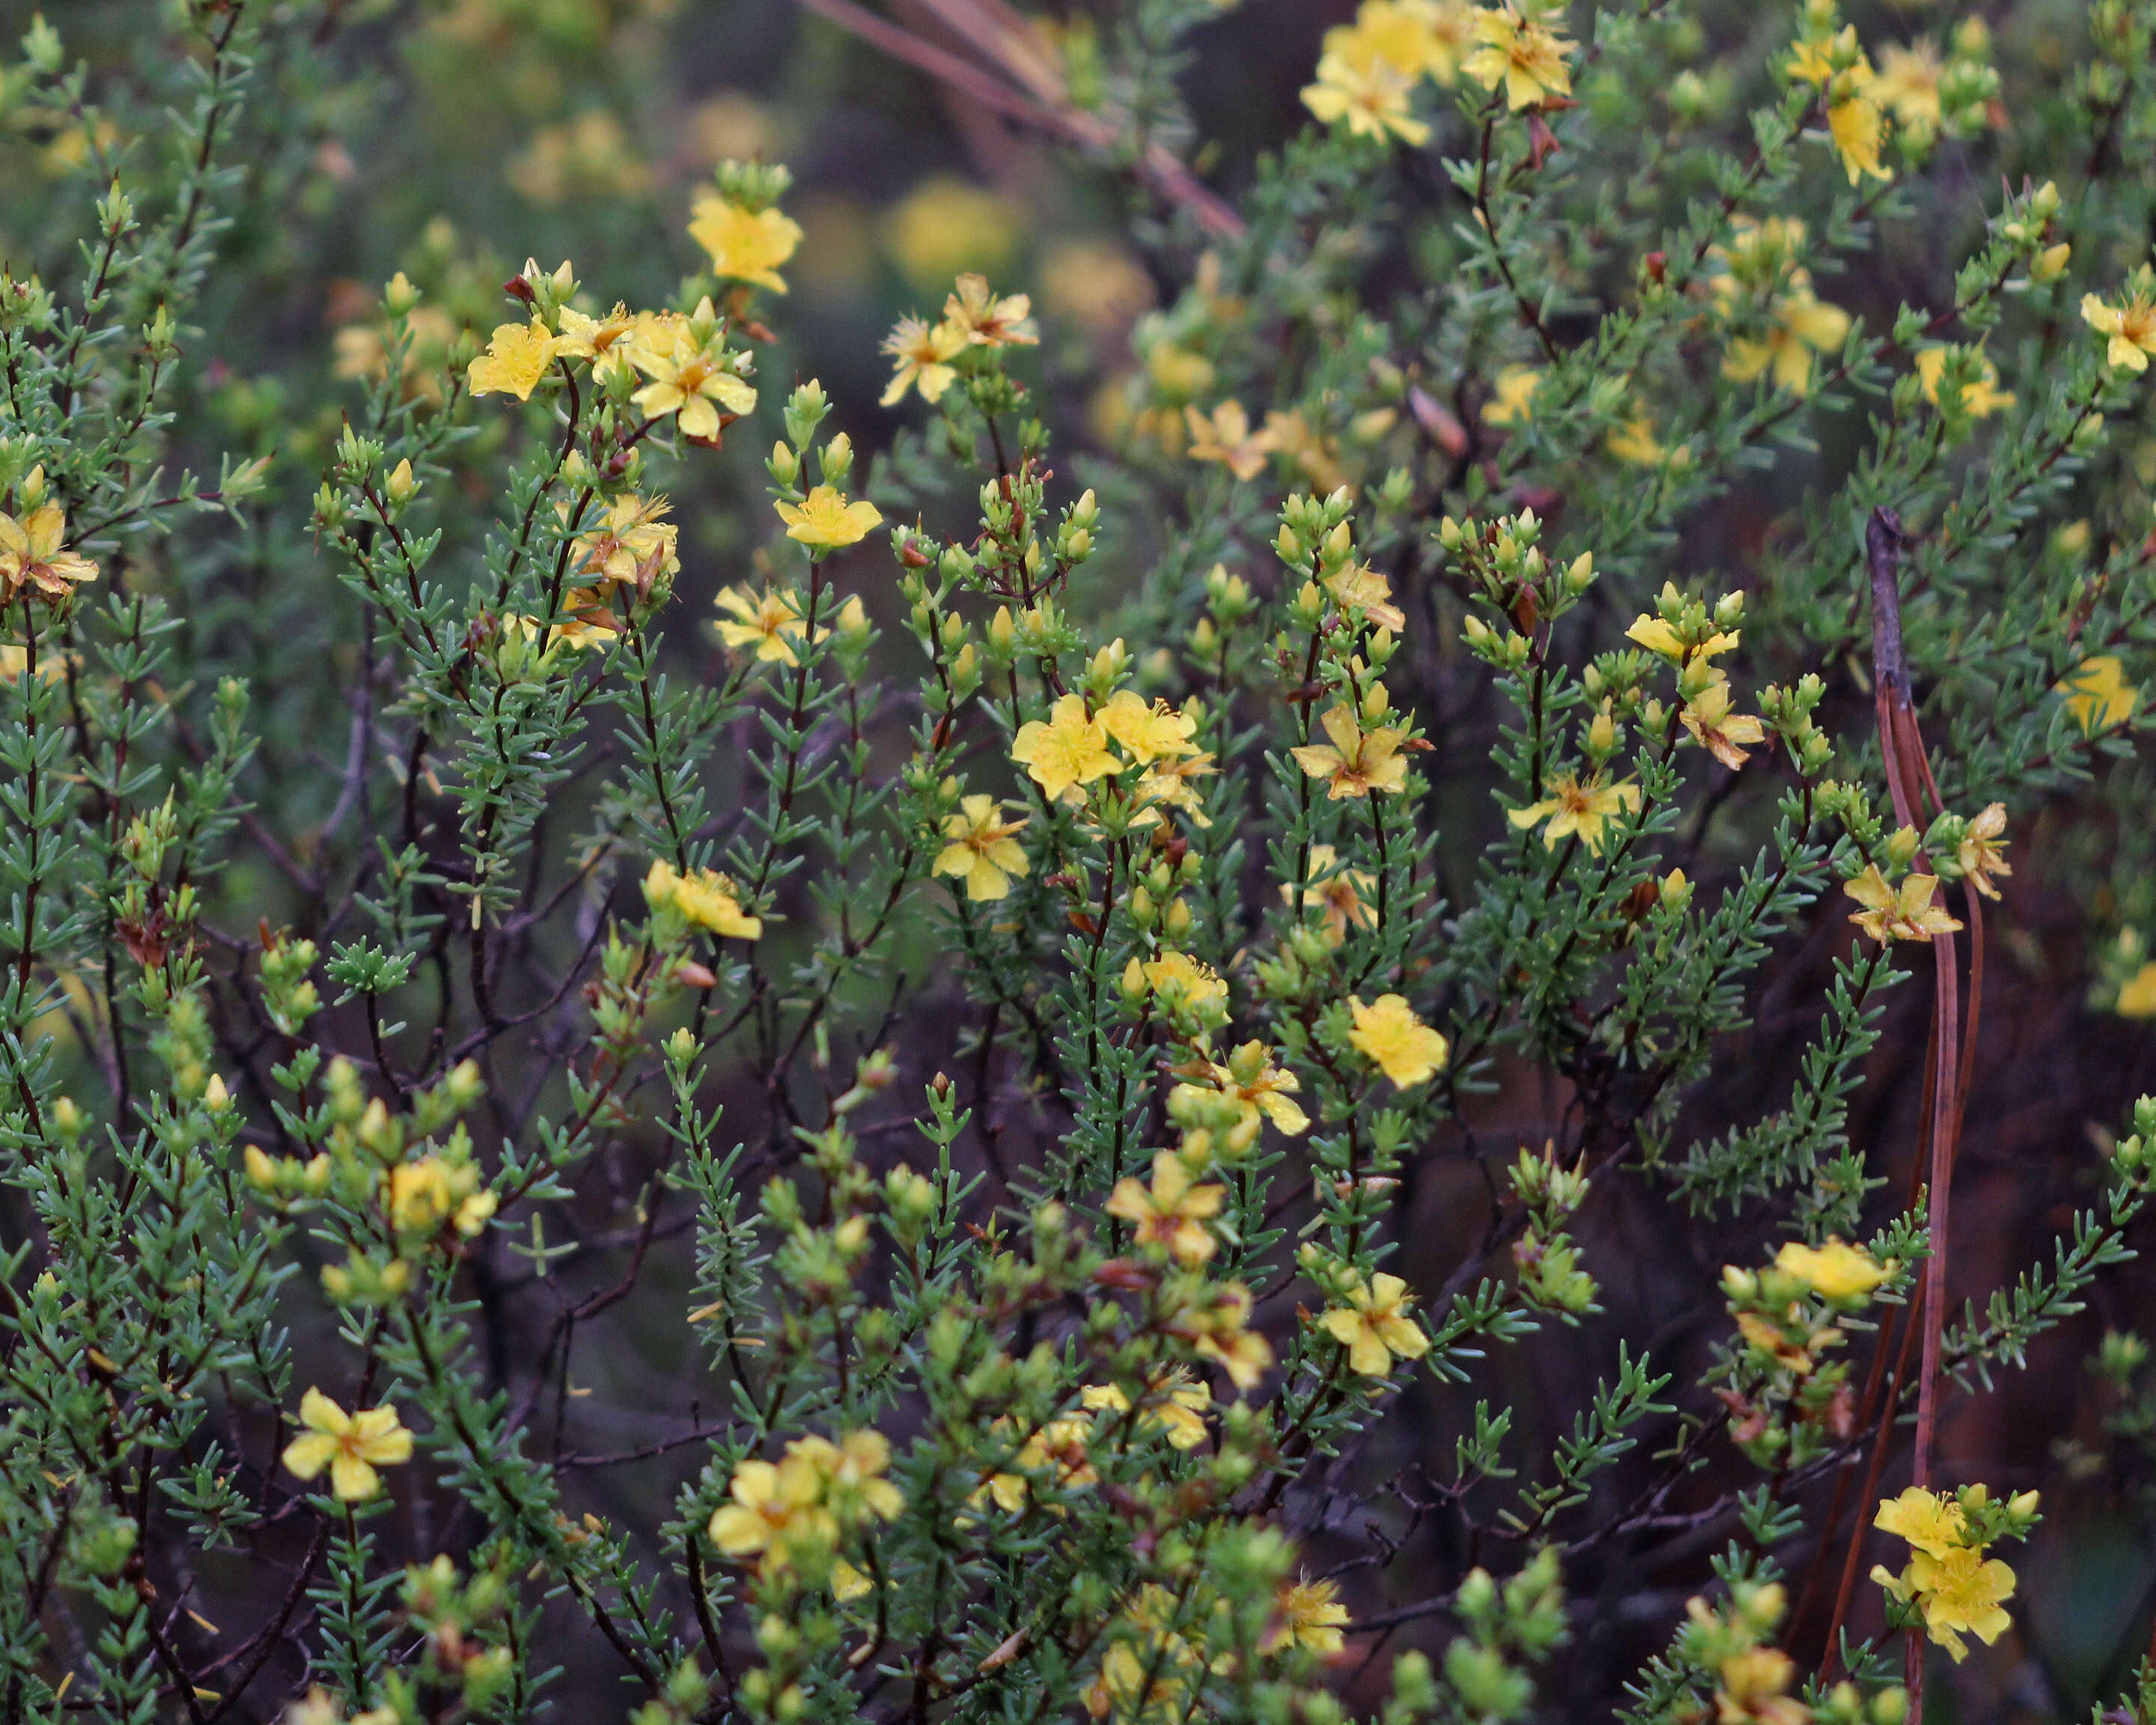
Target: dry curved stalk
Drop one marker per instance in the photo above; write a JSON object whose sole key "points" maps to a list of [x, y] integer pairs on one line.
{"points": [[1025, 85]]}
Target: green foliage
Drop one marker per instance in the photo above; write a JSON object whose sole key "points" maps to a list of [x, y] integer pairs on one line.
{"points": [[1109, 1088]]}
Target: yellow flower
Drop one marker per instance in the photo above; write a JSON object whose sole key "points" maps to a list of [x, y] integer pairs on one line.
{"points": [[1962, 1590], [776, 1506], [1252, 1079], [1718, 731], [515, 359], [767, 621], [1358, 586], [1933, 1524], [1066, 750], [1979, 399], [1523, 55], [52, 667], [1836, 1270], [945, 224], [1170, 783], [2138, 998], [1949, 1577], [1656, 636], [1358, 761], [594, 338], [824, 519], [425, 1193], [1416, 39], [1306, 1614], [1173, 1213], [1339, 898], [1146, 733], [2096, 691], [1513, 403], [1799, 324], [1184, 981], [2131, 325], [978, 848], [1572, 807], [1226, 437], [1391, 1037], [1370, 93], [1217, 1324], [1979, 851], [1909, 84], [1634, 440], [1909, 915], [1057, 1449], [746, 245], [351, 1446], [924, 352], [632, 544], [986, 321], [1374, 1325], [691, 383], [1175, 1404], [31, 554], [1858, 129], [706, 898]]}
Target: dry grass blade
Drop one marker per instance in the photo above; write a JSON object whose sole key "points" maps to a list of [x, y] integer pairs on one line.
{"points": [[1040, 103]]}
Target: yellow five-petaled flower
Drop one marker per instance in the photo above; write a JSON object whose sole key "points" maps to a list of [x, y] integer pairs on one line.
{"points": [[1374, 1325], [1388, 1035], [1173, 1213], [351, 1446], [981, 849], [825, 521], [1577, 806], [1906, 915], [1064, 750]]}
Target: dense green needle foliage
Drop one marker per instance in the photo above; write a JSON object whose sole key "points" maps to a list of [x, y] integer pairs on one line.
{"points": [[1286, 1035]]}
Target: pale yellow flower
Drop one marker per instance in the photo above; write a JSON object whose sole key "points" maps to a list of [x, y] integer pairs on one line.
{"points": [[1146, 731], [1522, 56], [1800, 324], [1979, 852], [1369, 93], [1575, 806], [1908, 915], [1374, 1326], [747, 245], [826, 520], [1388, 1035], [1173, 1213], [767, 621], [924, 352], [2097, 694], [706, 898], [980, 848], [1225, 436], [1721, 733], [1306, 1614], [986, 321], [1837, 1270], [31, 555], [2131, 325], [691, 383], [515, 359], [1513, 401], [1357, 762], [351, 1446], [1066, 750], [1979, 399]]}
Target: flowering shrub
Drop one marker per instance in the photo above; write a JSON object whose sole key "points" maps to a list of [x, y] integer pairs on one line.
{"points": [[1096, 1063]]}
